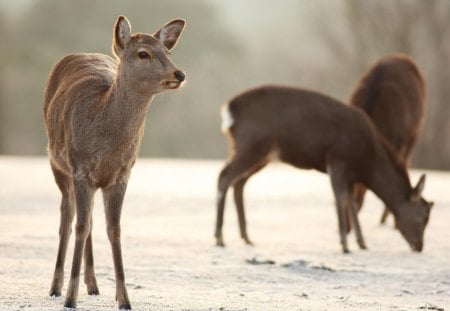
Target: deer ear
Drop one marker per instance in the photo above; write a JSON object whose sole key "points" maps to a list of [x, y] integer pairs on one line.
{"points": [[168, 34], [417, 191], [122, 35]]}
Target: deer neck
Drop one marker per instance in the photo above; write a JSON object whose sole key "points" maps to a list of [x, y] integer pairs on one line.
{"points": [[388, 180], [125, 109]]}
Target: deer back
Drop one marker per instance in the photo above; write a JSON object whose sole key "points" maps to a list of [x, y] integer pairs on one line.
{"points": [[392, 93], [303, 127]]}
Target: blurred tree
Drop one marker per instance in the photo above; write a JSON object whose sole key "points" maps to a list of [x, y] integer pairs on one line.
{"points": [[419, 28], [50, 29]]}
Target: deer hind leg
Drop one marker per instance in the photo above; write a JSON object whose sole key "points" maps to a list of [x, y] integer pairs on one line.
{"points": [[113, 200], [67, 208], [241, 166], [238, 190], [83, 196], [89, 272]]}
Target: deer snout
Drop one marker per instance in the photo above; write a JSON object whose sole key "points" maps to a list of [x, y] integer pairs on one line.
{"points": [[181, 76], [417, 247]]}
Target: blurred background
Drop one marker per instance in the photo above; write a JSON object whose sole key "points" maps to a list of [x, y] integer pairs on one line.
{"points": [[228, 46]]}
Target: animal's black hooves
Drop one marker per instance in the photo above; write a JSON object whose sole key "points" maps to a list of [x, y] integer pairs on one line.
{"points": [[346, 251], [93, 292], [248, 242], [70, 304], [55, 293], [219, 242], [125, 306]]}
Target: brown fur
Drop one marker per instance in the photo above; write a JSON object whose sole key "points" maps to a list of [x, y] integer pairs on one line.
{"points": [[94, 109], [313, 131], [392, 93]]}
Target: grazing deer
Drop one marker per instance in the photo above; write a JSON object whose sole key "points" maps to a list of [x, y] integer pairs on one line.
{"points": [[95, 109], [313, 131], [392, 93]]}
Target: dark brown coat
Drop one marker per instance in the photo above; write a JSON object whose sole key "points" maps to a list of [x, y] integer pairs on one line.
{"points": [[313, 131], [392, 93]]}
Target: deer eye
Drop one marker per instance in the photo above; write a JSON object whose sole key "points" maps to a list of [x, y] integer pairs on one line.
{"points": [[143, 55]]}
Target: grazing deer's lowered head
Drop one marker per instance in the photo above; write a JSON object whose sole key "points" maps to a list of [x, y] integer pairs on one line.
{"points": [[94, 109]]}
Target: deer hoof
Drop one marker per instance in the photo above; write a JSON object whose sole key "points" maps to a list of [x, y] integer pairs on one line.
{"points": [[219, 242], [248, 242], [55, 293], [93, 292], [125, 306], [70, 304]]}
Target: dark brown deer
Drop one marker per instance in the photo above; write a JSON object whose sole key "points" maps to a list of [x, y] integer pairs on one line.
{"points": [[95, 108], [392, 93], [313, 131]]}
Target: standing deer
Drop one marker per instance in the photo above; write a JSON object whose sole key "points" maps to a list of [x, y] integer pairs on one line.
{"points": [[313, 131], [392, 93], [95, 108]]}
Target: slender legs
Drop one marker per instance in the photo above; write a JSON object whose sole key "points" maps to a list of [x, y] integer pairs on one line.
{"points": [[344, 204], [239, 201], [83, 196], [78, 195], [236, 173], [113, 199], [67, 213], [89, 273]]}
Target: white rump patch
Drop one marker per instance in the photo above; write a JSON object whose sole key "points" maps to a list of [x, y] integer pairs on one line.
{"points": [[227, 119]]}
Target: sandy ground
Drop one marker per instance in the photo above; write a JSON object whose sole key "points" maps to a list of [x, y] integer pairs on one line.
{"points": [[171, 262]]}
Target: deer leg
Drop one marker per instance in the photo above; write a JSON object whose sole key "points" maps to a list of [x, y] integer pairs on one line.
{"points": [[358, 194], [67, 209], [238, 190], [83, 196], [113, 199], [221, 196], [339, 184], [89, 272], [239, 201], [240, 167], [384, 216], [354, 218]]}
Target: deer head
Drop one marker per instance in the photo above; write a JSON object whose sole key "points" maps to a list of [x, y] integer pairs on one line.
{"points": [[144, 59], [412, 216]]}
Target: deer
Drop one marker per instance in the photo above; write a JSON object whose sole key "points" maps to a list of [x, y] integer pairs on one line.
{"points": [[392, 94], [94, 109], [310, 130]]}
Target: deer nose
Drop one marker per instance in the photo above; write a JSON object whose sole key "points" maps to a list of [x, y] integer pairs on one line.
{"points": [[179, 75]]}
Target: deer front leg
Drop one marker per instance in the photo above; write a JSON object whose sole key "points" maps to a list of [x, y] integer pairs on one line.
{"points": [[384, 216], [67, 209], [339, 184], [113, 199], [352, 208], [89, 272], [65, 228], [83, 198]]}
